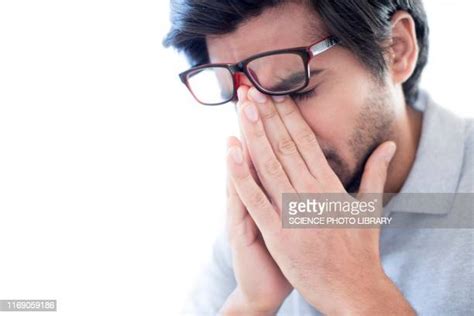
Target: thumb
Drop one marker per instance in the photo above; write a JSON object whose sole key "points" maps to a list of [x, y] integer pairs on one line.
{"points": [[375, 171]]}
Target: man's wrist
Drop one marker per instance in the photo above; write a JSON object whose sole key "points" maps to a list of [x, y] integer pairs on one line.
{"points": [[238, 304], [379, 296]]}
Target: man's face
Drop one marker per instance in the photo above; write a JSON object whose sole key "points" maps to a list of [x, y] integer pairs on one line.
{"points": [[350, 112]]}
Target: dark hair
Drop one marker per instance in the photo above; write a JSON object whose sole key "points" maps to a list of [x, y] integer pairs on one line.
{"points": [[363, 26]]}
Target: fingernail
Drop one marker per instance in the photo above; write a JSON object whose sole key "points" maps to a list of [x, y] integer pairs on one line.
{"points": [[236, 154], [251, 112], [257, 96], [389, 152], [240, 94], [279, 98]]}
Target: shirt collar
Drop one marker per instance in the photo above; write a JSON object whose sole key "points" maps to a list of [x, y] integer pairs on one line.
{"points": [[437, 165]]}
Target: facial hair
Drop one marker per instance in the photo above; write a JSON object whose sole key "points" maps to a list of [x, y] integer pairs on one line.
{"points": [[373, 127]]}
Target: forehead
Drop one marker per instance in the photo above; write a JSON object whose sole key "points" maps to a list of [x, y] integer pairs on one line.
{"points": [[289, 25]]}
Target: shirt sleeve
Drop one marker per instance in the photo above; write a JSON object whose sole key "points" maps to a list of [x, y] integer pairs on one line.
{"points": [[215, 283]]}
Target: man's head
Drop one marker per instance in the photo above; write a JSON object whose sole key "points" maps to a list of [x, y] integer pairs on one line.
{"points": [[364, 82]]}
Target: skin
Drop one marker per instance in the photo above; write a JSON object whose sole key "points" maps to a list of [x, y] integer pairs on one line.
{"points": [[344, 135]]}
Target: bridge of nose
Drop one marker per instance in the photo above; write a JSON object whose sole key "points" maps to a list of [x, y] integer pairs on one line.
{"points": [[242, 79]]}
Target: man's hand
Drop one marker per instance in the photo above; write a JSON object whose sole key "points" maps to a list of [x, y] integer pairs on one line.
{"points": [[261, 287], [336, 270]]}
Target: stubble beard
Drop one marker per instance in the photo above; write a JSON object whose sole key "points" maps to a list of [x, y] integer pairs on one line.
{"points": [[374, 125]]}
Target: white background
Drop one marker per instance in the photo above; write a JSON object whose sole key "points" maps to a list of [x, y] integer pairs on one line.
{"points": [[111, 177]]}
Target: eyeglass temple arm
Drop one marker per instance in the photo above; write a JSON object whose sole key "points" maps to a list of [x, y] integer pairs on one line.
{"points": [[323, 46]]}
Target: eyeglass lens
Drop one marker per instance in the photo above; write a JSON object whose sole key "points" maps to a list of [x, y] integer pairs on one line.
{"points": [[277, 73]]}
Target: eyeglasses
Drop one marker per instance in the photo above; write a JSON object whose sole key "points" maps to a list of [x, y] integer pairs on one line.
{"points": [[277, 72]]}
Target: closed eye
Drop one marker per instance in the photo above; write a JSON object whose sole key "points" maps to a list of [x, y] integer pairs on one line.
{"points": [[302, 96]]}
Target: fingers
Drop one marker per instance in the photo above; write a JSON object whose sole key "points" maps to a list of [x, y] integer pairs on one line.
{"points": [[251, 195], [249, 161], [375, 171], [242, 96], [304, 137], [268, 166], [235, 208], [281, 142]]}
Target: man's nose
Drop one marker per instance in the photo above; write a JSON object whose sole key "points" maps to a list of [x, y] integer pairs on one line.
{"points": [[242, 79]]}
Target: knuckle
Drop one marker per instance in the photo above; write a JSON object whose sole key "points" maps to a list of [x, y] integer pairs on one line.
{"points": [[241, 177], [269, 114], [257, 199], [307, 138], [373, 171], [287, 110], [258, 132], [286, 146], [272, 167], [310, 185]]}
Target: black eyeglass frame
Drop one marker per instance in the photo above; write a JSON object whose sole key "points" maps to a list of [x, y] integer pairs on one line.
{"points": [[306, 53]]}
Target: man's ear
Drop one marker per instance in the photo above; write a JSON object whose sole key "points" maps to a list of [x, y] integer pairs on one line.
{"points": [[403, 51]]}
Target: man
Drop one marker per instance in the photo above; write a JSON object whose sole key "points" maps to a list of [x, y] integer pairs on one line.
{"points": [[328, 102]]}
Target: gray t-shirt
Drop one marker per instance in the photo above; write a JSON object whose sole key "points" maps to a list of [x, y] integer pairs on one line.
{"points": [[432, 262]]}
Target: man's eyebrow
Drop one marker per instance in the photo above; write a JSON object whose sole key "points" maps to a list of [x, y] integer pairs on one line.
{"points": [[295, 78]]}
